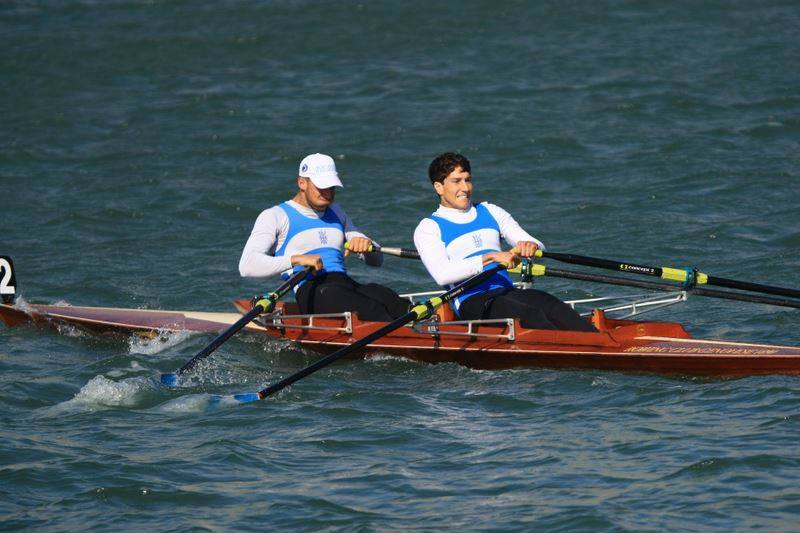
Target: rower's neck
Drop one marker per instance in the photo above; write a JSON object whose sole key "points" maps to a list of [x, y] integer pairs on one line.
{"points": [[455, 210], [300, 200]]}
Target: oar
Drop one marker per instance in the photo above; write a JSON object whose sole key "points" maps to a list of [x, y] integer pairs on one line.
{"points": [[400, 252], [397, 252], [683, 275], [541, 270], [264, 304], [418, 312]]}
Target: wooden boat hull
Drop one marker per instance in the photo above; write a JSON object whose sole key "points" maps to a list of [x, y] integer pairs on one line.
{"points": [[619, 345], [117, 321]]}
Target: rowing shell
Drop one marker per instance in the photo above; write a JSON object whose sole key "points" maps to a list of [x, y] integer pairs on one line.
{"points": [[620, 345], [117, 320]]}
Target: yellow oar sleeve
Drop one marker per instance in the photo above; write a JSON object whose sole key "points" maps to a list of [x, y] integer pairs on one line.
{"points": [[679, 275], [536, 270], [424, 310], [268, 302], [673, 274]]}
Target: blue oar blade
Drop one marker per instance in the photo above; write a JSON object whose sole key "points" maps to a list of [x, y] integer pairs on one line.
{"points": [[170, 379], [246, 397]]}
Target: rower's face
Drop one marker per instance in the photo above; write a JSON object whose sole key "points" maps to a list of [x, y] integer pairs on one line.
{"points": [[317, 199], [456, 189]]}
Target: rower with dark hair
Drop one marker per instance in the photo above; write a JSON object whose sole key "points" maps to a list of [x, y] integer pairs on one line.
{"points": [[461, 239], [310, 230]]}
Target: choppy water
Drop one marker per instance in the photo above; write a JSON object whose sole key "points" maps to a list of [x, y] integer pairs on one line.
{"points": [[139, 141]]}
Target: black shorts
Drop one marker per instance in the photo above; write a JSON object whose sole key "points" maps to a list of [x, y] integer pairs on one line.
{"points": [[534, 309], [335, 292]]}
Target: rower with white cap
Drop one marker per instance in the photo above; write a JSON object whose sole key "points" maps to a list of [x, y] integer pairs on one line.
{"points": [[310, 230]]}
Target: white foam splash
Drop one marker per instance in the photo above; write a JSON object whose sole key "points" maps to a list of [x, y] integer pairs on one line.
{"points": [[70, 331], [384, 357], [103, 392], [23, 305], [162, 341]]}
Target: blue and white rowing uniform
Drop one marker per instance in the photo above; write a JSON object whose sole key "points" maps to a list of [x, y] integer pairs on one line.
{"points": [[322, 235], [451, 244], [292, 229]]}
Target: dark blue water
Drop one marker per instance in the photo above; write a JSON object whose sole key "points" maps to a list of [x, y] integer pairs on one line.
{"points": [[139, 141]]}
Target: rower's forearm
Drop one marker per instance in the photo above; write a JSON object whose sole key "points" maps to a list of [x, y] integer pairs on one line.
{"points": [[261, 266], [449, 272]]}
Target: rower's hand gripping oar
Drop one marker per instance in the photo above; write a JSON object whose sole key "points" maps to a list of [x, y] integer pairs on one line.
{"points": [[262, 304], [418, 312], [687, 276]]}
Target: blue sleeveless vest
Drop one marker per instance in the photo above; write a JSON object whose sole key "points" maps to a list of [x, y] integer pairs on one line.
{"points": [[323, 236], [450, 231]]}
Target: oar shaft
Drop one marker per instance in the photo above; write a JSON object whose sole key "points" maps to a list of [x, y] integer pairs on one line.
{"points": [[611, 280], [388, 250], [400, 252], [753, 287], [418, 312], [699, 291], [224, 336], [265, 303], [603, 263], [669, 273], [338, 354]]}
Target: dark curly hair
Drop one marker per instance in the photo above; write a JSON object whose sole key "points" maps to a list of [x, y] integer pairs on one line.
{"points": [[444, 164]]}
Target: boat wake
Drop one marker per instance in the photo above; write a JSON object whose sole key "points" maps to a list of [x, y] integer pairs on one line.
{"points": [[196, 403], [103, 393], [134, 368], [141, 392]]}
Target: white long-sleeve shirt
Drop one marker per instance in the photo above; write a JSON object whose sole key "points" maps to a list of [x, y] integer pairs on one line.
{"points": [[446, 270], [270, 231]]}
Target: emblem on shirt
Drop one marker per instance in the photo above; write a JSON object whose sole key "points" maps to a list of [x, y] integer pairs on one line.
{"points": [[477, 240], [323, 236]]}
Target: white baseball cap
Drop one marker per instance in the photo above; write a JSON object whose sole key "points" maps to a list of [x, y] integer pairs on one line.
{"points": [[321, 170]]}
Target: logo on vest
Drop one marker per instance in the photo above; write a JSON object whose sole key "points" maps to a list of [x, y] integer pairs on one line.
{"points": [[323, 236], [477, 240]]}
